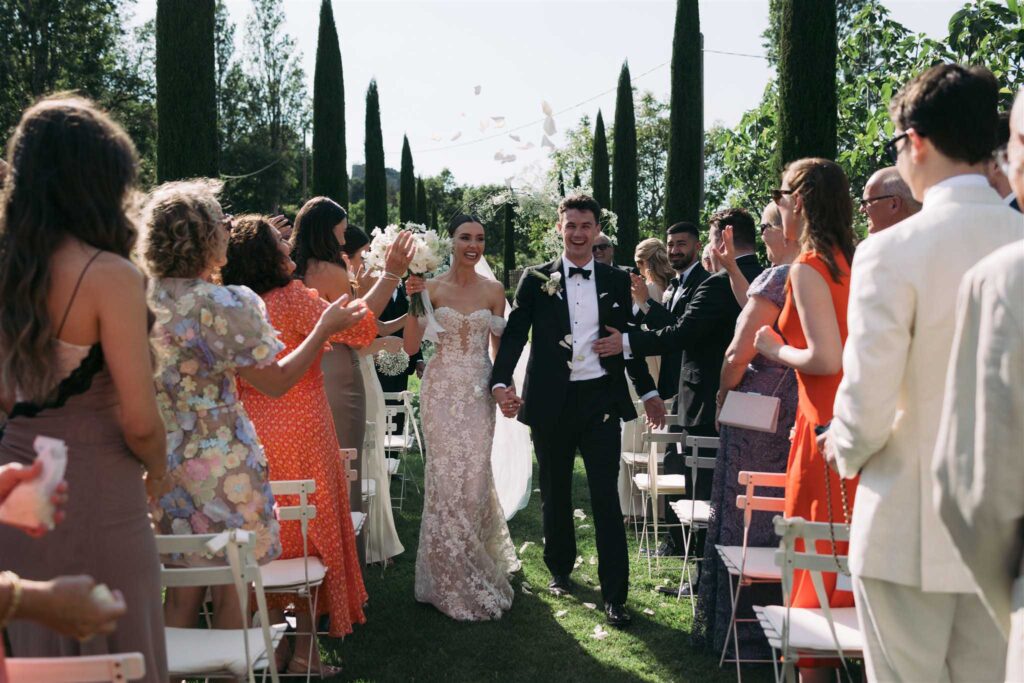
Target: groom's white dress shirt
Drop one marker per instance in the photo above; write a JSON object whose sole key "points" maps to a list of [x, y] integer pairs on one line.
{"points": [[585, 323]]}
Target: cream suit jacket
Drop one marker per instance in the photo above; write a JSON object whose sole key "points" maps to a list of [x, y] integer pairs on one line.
{"points": [[901, 320]]}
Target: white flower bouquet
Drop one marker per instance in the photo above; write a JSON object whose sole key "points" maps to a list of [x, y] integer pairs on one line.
{"points": [[431, 250], [392, 364]]}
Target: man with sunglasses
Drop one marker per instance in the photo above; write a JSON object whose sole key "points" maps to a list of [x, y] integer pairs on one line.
{"points": [[916, 603], [604, 252], [995, 170], [887, 200]]}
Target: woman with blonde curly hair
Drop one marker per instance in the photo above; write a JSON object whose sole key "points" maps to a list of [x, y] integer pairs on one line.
{"points": [[651, 258], [206, 335]]}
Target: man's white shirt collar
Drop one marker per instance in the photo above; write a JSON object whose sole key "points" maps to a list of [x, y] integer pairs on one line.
{"points": [[962, 180], [567, 264]]}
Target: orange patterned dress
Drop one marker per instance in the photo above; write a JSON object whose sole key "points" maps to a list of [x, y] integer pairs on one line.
{"points": [[298, 435]]}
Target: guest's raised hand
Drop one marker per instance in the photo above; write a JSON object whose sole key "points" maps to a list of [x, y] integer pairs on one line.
{"points": [[364, 279], [400, 253], [610, 345], [638, 288], [343, 314], [768, 342], [727, 252], [415, 284], [283, 225]]}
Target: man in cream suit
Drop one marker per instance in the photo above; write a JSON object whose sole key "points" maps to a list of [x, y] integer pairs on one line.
{"points": [[916, 603], [979, 461]]}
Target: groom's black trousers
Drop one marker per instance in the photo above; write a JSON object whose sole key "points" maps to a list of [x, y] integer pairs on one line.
{"points": [[589, 423]]}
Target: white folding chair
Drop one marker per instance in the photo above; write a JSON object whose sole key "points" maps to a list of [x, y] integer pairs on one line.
{"points": [[398, 443], [653, 484], [115, 668], [803, 632], [748, 566], [634, 459], [205, 653], [299, 576], [693, 514]]}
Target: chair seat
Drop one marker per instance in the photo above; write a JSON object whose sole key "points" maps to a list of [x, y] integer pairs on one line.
{"points": [[667, 483], [358, 519], [760, 564], [90, 669], [290, 573], [635, 459], [395, 442], [691, 511], [198, 651], [809, 631], [369, 488], [393, 465]]}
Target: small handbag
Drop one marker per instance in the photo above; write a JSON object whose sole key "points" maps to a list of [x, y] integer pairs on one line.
{"points": [[749, 410]]}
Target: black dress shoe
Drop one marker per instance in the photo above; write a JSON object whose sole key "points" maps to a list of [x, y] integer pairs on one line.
{"points": [[616, 615], [560, 585]]}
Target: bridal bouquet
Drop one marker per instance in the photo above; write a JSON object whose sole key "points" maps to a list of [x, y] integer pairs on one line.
{"points": [[392, 364], [431, 250]]}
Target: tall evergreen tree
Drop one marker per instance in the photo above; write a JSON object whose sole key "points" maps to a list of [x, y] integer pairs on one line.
{"points": [[509, 260], [433, 215], [684, 176], [376, 192], [599, 181], [807, 54], [624, 170], [561, 184], [421, 202], [330, 169], [186, 90], [407, 185], [576, 182]]}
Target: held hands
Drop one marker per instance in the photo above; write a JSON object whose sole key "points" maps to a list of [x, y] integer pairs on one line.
{"points": [[415, 284], [768, 342], [507, 400], [610, 345], [72, 609], [400, 254], [343, 314], [638, 288], [14, 474], [655, 409]]}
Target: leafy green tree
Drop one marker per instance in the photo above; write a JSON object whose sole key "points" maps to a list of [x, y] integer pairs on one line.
{"points": [[376, 178], [186, 90], [421, 202], [624, 170], [576, 182], [330, 171], [600, 183], [653, 135], [561, 183], [807, 80], [685, 169], [407, 186]]}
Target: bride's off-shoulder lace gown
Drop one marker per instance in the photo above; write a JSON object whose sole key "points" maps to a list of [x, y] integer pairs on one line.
{"points": [[465, 554]]}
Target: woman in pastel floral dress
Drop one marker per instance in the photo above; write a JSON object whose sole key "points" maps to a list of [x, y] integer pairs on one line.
{"points": [[205, 335]]}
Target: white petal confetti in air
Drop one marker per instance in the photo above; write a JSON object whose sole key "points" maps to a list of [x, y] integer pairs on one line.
{"points": [[515, 137], [579, 514], [590, 605], [549, 126], [477, 89], [509, 158], [546, 108], [528, 145], [499, 155], [457, 136], [599, 633], [561, 613], [484, 125], [546, 142], [436, 137], [499, 121]]}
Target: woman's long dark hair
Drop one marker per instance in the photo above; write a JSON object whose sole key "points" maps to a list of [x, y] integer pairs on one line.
{"points": [[828, 210], [355, 239], [313, 237], [254, 258], [72, 173]]}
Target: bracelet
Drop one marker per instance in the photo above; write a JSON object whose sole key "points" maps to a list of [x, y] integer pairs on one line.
{"points": [[388, 275], [12, 607]]}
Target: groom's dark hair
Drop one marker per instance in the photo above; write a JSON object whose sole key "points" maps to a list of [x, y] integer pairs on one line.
{"points": [[580, 202]]}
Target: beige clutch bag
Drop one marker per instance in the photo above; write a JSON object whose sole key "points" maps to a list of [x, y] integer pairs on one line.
{"points": [[750, 411]]}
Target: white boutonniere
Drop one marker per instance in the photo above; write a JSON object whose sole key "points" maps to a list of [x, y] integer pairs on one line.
{"points": [[552, 283]]}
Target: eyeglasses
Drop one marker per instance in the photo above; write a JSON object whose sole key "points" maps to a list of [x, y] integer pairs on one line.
{"points": [[767, 226], [1002, 159], [891, 150], [778, 194], [867, 201], [600, 247]]}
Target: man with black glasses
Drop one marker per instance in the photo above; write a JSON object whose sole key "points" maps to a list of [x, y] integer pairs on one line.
{"points": [[887, 200]]}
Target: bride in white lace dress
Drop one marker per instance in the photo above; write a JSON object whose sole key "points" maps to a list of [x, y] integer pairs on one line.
{"points": [[465, 553]]}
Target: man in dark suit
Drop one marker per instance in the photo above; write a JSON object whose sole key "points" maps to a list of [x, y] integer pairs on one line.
{"points": [[573, 399], [396, 307], [701, 335], [604, 252], [993, 170]]}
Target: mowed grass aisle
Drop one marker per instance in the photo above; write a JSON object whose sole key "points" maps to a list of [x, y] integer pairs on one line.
{"points": [[407, 641]]}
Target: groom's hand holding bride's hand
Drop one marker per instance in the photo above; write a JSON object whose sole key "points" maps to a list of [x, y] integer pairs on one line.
{"points": [[507, 400], [610, 345], [655, 409]]}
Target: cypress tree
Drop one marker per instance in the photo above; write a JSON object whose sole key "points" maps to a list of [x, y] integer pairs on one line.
{"points": [[421, 202], [509, 261], [684, 177], [433, 215], [807, 54], [624, 171], [576, 179], [376, 191], [561, 184], [407, 185], [601, 185], [186, 90], [330, 165]]}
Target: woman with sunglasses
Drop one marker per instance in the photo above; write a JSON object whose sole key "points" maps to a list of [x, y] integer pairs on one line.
{"points": [[817, 211]]}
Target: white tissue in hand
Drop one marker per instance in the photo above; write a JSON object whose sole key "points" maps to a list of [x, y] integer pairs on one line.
{"points": [[102, 595], [29, 504]]}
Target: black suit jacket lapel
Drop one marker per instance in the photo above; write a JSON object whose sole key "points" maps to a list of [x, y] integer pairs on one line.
{"points": [[562, 296]]}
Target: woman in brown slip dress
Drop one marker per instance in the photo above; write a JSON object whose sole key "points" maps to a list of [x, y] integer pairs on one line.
{"points": [[75, 365]]}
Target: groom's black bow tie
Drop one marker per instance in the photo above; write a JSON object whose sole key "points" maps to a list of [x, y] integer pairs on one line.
{"points": [[573, 270]]}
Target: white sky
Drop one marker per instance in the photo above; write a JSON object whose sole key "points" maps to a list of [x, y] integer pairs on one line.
{"points": [[428, 55]]}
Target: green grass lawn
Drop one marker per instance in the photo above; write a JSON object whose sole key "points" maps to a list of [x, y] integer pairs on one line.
{"points": [[407, 641]]}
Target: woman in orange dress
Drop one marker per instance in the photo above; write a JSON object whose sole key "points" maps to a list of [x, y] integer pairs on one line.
{"points": [[297, 430], [817, 210]]}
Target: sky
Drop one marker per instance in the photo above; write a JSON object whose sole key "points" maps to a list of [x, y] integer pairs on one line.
{"points": [[428, 57]]}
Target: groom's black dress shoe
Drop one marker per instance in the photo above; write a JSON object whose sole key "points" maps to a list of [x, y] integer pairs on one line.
{"points": [[617, 615], [560, 586]]}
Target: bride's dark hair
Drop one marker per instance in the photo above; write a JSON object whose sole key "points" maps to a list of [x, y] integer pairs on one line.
{"points": [[461, 219]]}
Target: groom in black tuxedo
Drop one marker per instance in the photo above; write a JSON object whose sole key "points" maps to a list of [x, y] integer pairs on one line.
{"points": [[572, 399]]}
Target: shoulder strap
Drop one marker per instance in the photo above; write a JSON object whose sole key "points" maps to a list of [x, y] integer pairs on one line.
{"points": [[74, 292]]}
